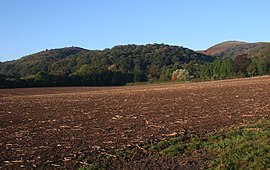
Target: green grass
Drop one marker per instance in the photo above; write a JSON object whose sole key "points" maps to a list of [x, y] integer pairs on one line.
{"points": [[242, 148], [239, 148], [181, 147], [93, 167], [120, 154], [163, 144]]}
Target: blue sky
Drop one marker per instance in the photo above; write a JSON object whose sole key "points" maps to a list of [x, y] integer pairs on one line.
{"points": [[29, 26]]}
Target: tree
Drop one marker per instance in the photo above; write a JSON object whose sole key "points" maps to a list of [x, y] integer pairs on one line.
{"points": [[84, 70], [252, 69], [206, 71], [3, 82], [154, 72], [42, 76], [139, 76], [263, 65], [180, 75], [112, 67], [240, 64], [226, 68], [166, 74]]}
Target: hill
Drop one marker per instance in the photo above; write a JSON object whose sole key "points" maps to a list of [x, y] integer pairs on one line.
{"points": [[74, 66], [124, 63], [31, 64], [236, 48], [68, 60]]}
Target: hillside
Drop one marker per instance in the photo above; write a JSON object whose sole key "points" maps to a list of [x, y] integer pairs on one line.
{"points": [[125, 58], [221, 47], [236, 48], [31, 64], [123, 64]]}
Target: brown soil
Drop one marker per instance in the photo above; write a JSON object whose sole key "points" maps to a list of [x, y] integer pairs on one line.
{"points": [[223, 47], [49, 128]]}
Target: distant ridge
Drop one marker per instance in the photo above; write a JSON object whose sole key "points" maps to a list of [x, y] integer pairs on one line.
{"points": [[221, 47], [235, 48]]}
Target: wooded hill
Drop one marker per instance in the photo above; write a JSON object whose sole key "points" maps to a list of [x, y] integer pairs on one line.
{"points": [[115, 66], [123, 64]]}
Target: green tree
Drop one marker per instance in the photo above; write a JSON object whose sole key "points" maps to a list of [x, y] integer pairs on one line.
{"points": [[84, 70], [216, 69], [138, 74], [226, 68], [154, 73], [252, 69], [207, 71], [42, 76], [166, 74]]}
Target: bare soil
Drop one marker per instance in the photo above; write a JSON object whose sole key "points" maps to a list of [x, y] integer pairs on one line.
{"points": [[55, 128]]}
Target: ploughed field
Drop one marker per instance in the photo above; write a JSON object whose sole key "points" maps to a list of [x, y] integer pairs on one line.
{"points": [[58, 127]]}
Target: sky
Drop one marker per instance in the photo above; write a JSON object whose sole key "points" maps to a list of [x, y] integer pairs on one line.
{"points": [[30, 26]]}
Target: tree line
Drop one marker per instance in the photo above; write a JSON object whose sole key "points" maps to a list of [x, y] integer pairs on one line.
{"points": [[240, 66], [126, 64]]}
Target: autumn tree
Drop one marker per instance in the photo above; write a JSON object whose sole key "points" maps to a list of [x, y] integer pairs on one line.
{"points": [[240, 64], [180, 75]]}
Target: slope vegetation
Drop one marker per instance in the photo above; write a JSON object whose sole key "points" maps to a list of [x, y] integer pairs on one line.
{"points": [[31, 64], [236, 48], [134, 63]]}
